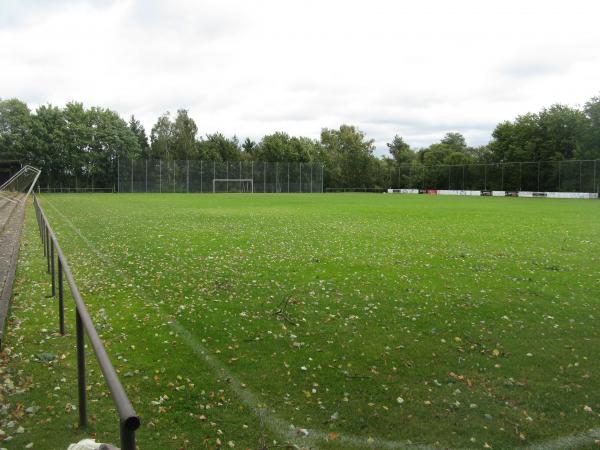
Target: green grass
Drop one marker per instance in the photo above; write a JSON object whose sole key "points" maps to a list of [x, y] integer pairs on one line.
{"points": [[447, 321]]}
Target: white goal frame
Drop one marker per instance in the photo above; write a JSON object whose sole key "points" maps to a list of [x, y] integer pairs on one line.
{"points": [[233, 180]]}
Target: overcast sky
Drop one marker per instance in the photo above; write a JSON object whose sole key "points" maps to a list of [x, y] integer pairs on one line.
{"points": [[414, 68]]}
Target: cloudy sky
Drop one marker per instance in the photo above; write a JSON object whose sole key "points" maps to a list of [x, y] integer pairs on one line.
{"points": [[414, 68]]}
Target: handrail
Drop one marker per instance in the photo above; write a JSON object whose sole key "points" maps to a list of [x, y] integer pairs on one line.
{"points": [[129, 421]]}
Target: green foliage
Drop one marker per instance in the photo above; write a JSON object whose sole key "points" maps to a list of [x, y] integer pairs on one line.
{"points": [[78, 146], [350, 157], [15, 123], [217, 147]]}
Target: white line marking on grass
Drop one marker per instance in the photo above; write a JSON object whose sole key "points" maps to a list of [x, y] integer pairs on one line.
{"points": [[278, 426]]}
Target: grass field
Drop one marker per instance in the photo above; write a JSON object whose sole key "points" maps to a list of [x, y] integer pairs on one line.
{"points": [[370, 321]]}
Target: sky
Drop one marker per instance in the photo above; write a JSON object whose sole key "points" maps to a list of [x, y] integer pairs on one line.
{"points": [[418, 69]]}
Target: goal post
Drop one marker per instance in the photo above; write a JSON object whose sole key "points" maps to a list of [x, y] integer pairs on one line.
{"points": [[233, 185]]}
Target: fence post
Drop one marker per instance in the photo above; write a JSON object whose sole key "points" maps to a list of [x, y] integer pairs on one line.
{"points": [[520, 176], [118, 175], [201, 176], [502, 176], [132, 175], [187, 175], [160, 176], [52, 272], [288, 183], [559, 165], [264, 177], [81, 370], [580, 181], [311, 175], [300, 177], [61, 306], [485, 177], [595, 187], [48, 248], [146, 178], [538, 184]]}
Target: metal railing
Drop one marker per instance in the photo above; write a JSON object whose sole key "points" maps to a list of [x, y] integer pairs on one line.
{"points": [[128, 420]]}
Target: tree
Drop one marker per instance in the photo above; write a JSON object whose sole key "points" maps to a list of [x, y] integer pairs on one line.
{"points": [[400, 150], [455, 142], [160, 138], [248, 147], [15, 122], [140, 133], [183, 136], [350, 157], [217, 147]]}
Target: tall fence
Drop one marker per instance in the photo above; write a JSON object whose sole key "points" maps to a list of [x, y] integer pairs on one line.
{"points": [[218, 176], [550, 176], [58, 268]]}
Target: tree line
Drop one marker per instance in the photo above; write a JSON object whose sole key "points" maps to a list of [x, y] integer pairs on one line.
{"points": [[78, 144]]}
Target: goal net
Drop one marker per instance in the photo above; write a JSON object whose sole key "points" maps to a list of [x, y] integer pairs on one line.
{"points": [[19, 186], [233, 185]]}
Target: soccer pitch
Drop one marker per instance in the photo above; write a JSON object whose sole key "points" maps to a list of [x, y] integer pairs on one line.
{"points": [[323, 321]]}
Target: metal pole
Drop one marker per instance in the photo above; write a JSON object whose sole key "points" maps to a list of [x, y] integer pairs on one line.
{"points": [[538, 187], [132, 175], [580, 181], [559, 165], [61, 306], [81, 370], [174, 163], [463, 177], [264, 177], [118, 175], [52, 272], [448, 177], [595, 187], [252, 173], [485, 177], [160, 175], [502, 179], [301, 177], [214, 176], [322, 178], [146, 175], [43, 232], [288, 170], [240, 176], [127, 437], [187, 175], [276, 176], [311, 173], [520, 176], [201, 170], [48, 248]]}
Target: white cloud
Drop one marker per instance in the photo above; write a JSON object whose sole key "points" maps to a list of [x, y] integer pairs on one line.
{"points": [[418, 69]]}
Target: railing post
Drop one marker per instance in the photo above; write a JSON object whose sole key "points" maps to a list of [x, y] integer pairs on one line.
{"points": [[43, 233], [52, 272], [61, 305], [81, 370], [47, 248], [127, 437]]}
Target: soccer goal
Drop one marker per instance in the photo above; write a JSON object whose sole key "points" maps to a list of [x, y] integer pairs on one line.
{"points": [[233, 185], [19, 186]]}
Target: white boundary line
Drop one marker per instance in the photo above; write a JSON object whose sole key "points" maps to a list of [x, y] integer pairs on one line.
{"points": [[280, 427]]}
